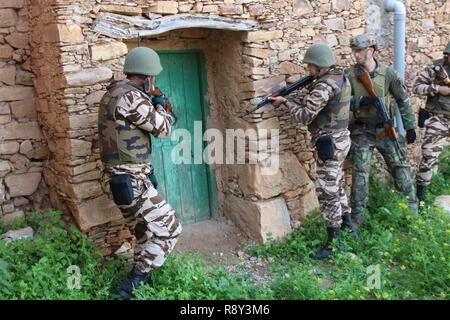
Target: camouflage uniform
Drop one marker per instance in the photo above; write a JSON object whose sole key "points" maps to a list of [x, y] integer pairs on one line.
{"points": [[365, 129], [437, 127], [326, 112], [126, 117]]}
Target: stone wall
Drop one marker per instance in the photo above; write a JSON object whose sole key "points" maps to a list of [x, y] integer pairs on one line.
{"points": [[73, 64], [22, 145], [70, 79]]}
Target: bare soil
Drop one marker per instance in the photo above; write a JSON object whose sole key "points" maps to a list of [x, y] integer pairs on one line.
{"points": [[223, 244]]}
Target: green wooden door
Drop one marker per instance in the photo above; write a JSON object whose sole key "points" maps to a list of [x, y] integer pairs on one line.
{"points": [[185, 186]]}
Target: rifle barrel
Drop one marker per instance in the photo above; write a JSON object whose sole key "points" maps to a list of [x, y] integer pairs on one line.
{"points": [[282, 92]]}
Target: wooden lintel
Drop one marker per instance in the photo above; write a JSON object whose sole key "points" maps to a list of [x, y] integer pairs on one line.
{"points": [[125, 27]]}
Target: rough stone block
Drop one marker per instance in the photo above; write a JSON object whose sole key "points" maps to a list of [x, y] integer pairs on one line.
{"points": [[125, 10], [88, 77], [69, 33], [18, 40], [8, 75], [255, 36], [83, 121], [24, 109], [24, 184], [9, 147], [290, 176], [260, 220], [15, 4], [108, 51], [14, 93], [163, 7], [96, 212], [14, 235], [21, 130], [5, 51]]}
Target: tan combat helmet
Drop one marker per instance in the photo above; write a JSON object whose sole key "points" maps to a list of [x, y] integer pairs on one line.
{"points": [[362, 41]]}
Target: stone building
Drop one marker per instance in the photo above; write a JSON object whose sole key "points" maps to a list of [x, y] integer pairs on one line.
{"points": [[58, 56]]}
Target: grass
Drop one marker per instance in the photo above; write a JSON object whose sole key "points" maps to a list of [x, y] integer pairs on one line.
{"points": [[410, 253]]}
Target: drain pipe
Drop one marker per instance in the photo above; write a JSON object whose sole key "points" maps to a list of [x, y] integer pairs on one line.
{"points": [[399, 47]]}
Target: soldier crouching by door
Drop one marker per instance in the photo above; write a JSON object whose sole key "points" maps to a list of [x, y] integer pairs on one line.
{"points": [[326, 112], [126, 117]]}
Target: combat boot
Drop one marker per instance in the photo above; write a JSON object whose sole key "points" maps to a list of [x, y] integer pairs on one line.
{"points": [[327, 250], [421, 193], [132, 281], [421, 197], [348, 225]]}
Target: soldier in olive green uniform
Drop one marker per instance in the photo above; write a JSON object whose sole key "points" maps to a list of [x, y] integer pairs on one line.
{"points": [[434, 83], [127, 116], [326, 112], [367, 124]]}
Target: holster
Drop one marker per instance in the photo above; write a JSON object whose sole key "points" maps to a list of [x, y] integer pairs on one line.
{"points": [[325, 147], [121, 189]]}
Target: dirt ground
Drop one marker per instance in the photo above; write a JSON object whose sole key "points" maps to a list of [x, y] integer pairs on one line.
{"points": [[223, 244], [219, 239]]}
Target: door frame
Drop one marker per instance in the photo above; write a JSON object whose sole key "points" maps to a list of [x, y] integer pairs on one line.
{"points": [[203, 84]]}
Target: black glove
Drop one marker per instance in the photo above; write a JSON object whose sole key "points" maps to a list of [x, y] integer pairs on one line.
{"points": [[410, 136], [162, 100], [423, 116], [153, 180], [367, 101]]}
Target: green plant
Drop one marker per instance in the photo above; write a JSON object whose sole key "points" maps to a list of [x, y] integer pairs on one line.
{"points": [[38, 268], [410, 252], [188, 277]]}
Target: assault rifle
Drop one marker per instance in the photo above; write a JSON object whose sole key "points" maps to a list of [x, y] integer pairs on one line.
{"points": [[303, 82], [156, 92], [389, 130]]}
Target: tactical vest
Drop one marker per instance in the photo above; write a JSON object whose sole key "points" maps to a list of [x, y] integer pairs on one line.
{"points": [[439, 103], [369, 113], [120, 142], [335, 115]]}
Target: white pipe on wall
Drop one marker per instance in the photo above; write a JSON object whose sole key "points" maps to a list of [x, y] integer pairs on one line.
{"points": [[399, 46]]}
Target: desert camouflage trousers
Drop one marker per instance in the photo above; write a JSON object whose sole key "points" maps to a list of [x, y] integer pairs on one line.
{"points": [[437, 131], [330, 182], [156, 226], [363, 143]]}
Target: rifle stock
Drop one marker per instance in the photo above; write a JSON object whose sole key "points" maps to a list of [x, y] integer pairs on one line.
{"points": [[364, 78], [303, 82]]}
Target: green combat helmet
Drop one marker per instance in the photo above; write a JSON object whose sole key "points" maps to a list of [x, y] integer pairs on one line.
{"points": [[142, 60], [447, 48], [362, 41], [320, 55]]}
